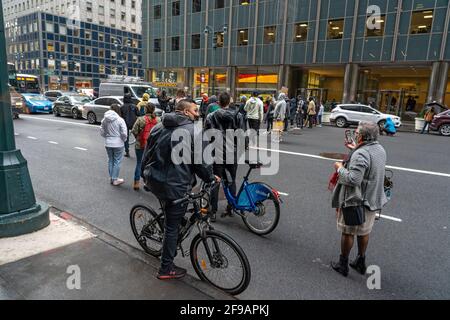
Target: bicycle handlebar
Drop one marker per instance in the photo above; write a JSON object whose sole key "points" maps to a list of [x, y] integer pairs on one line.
{"points": [[195, 196]]}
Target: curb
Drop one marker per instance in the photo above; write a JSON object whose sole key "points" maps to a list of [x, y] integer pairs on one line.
{"points": [[140, 255]]}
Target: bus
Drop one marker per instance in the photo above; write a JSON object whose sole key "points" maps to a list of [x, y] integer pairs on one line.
{"points": [[27, 83]]}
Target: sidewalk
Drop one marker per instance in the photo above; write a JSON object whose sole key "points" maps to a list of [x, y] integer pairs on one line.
{"points": [[72, 260]]}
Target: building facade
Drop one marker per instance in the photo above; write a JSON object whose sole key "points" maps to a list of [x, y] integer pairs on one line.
{"points": [[393, 53], [68, 54], [117, 14]]}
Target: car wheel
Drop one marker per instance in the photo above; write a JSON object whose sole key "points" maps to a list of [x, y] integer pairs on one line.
{"points": [[341, 122], [445, 130], [75, 113], [92, 118], [381, 124], [56, 113]]}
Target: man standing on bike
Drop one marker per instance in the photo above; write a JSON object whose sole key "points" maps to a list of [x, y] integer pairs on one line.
{"points": [[169, 181], [222, 120]]}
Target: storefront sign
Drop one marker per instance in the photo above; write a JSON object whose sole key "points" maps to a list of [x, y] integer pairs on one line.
{"points": [[165, 84]]}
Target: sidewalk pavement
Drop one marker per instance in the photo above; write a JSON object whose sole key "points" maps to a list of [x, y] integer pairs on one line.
{"points": [[73, 260]]}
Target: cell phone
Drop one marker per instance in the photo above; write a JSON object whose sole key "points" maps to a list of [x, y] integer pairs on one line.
{"points": [[349, 138]]}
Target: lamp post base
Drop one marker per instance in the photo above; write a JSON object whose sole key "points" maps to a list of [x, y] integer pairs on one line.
{"points": [[25, 221]]}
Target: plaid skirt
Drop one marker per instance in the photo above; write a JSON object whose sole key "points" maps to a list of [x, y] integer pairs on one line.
{"points": [[362, 230]]}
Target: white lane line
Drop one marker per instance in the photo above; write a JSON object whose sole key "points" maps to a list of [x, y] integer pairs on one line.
{"points": [[440, 174], [62, 121], [53, 142], [391, 218], [16, 134], [32, 138], [284, 194], [82, 149]]}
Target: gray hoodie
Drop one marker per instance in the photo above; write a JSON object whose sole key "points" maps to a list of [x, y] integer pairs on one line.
{"points": [[114, 130], [254, 109]]}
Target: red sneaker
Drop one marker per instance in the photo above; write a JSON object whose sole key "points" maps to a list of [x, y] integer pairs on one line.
{"points": [[175, 273]]}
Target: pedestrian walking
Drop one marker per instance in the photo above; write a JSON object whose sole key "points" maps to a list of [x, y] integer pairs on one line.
{"points": [[141, 130], [114, 129], [255, 113], [141, 105], [429, 116], [280, 116], [269, 116], [213, 106], [359, 193], [204, 106], [130, 114], [311, 112], [163, 101], [293, 110], [320, 114]]}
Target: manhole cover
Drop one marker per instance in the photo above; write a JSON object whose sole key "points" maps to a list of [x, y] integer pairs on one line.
{"points": [[337, 156]]}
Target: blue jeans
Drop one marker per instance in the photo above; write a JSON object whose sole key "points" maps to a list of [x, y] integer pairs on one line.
{"points": [[137, 171], [115, 156], [173, 216], [425, 127]]}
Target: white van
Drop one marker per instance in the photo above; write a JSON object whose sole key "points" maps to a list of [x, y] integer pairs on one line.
{"points": [[136, 90]]}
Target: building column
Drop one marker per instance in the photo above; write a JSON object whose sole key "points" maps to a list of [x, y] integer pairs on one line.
{"points": [[189, 81], [438, 82], [350, 83], [231, 82], [283, 77]]}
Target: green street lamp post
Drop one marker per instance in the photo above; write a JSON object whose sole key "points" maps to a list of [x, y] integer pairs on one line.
{"points": [[19, 211]]}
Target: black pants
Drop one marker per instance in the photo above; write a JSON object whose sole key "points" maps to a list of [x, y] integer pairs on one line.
{"points": [[227, 172], [310, 120], [255, 125], [269, 125], [173, 217], [127, 142]]}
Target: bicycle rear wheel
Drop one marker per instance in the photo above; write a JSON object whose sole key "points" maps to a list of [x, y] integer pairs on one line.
{"points": [[266, 219], [148, 229], [220, 261]]}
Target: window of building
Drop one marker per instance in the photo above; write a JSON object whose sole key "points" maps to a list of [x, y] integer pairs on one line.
{"points": [[50, 47], [76, 32], [301, 32], [422, 22], [62, 47], [244, 2], [243, 37], [76, 50], [123, 16], [63, 30], [196, 38], [64, 65], [376, 26], [113, 55], [335, 29], [157, 12], [270, 34], [101, 53], [87, 51], [196, 6], [157, 45], [87, 35], [220, 4], [101, 10], [49, 27], [176, 8], [101, 37], [219, 38], [175, 43], [77, 67]]}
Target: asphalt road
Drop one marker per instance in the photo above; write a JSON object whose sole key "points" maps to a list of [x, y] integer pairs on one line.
{"points": [[68, 165]]}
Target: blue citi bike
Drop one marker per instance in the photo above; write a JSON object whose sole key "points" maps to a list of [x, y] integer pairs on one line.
{"points": [[258, 204]]}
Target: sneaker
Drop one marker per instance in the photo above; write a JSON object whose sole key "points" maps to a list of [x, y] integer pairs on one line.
{"points": [[175, 273], [227, 213], [127, 155], [118, 182], [213, 216]]}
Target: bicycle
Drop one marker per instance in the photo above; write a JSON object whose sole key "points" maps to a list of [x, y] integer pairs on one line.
{"points": [[212, 253], [251, 203]]}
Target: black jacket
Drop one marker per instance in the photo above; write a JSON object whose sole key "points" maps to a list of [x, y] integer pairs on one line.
{"points": [[130, 112], [223, 120], [166, 180]]}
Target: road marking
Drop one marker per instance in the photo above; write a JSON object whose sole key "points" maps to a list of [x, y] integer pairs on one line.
{"points": [[284, 194], [391, 218], [440, 174], [53, 142], [62, 121], [16, 134], [82, 149], [32, 138]]}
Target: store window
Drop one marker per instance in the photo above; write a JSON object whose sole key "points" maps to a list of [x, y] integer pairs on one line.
{"points": [[301, 32], [422, 22], [376, 29], [335, 29], [243, 37], [264, 80], [270, 34]]}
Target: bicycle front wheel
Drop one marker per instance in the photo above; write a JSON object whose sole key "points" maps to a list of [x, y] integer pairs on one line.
{"points": [[265, 219], [220, 261], [148, 229]]}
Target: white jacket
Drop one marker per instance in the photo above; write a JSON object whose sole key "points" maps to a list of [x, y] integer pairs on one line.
{"points": [[114, 130], [255, 109]]}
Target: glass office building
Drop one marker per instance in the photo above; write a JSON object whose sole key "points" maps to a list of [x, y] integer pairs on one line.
{"points": [[386, 52], [69, 55]]}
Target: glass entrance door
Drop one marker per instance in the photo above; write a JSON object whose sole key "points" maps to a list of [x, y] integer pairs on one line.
{"points": [[320, 94], [391, 101]]}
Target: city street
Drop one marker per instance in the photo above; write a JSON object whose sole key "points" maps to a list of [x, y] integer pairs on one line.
{"points": [[68, 165]]}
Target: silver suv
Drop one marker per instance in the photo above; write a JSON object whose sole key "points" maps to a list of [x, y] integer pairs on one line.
{"points": [[345, 115]]}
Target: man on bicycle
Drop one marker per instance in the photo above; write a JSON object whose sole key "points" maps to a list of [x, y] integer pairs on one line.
{"points": [[222, 120], [169, 181]]}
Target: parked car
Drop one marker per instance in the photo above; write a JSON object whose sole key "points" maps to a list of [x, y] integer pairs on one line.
{"points": [[345, 115], [35, 103], [16, 102], [94, 111], [441, 123], [70, 104]]}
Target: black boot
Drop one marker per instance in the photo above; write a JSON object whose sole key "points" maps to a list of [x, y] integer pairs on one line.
{"points": [[341, 266], [359, 264]]}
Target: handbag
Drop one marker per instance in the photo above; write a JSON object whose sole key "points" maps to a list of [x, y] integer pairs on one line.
{"points": [[354, 215]]}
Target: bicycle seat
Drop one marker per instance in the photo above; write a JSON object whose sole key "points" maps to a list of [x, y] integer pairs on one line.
{"points": [[254, 165]]}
